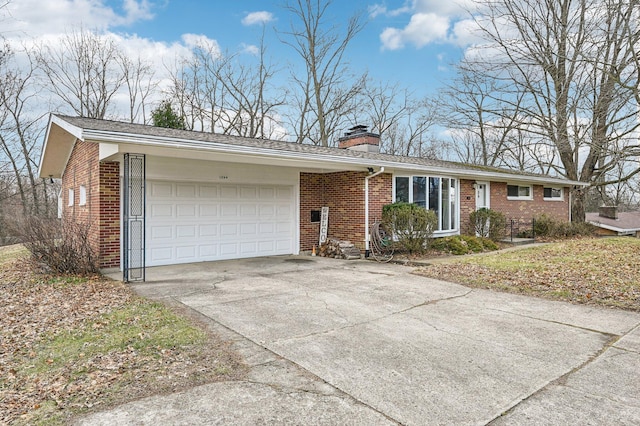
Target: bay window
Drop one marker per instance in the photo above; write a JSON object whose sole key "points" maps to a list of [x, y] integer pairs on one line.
{"points": [[435, 193]]}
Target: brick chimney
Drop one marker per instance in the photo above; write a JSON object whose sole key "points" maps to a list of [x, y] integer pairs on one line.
{"points": [[358, 138], [610, 212]]}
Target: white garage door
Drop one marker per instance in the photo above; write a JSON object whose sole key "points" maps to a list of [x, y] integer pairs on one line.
{"points": [[193, 222]]}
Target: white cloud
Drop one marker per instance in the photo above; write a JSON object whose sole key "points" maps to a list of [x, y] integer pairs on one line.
{"points": [[381, 9], [36, 17], [255, 18], [423, 28], [451, 8], [137, 10], [431, 21], [251, 49]]}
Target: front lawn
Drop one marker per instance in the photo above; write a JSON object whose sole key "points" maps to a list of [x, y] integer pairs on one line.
{"points": [[602, 271], [72, 344]]}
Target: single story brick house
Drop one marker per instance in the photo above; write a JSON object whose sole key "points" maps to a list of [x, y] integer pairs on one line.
{"points": [[157, 196]]}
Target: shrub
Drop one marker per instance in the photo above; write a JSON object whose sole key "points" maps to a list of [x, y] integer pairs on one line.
{"points": [[411, 225], [463, 244], [488, 223], [62, 246], [546, 226]]}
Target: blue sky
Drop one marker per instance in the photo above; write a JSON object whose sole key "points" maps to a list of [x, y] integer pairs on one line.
{"points": [[418, 67], [412, 42]]}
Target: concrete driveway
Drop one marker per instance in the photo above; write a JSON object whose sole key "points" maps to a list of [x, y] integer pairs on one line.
{"points": [[357, 342]]}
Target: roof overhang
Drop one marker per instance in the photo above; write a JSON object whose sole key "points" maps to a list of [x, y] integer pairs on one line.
{"points": [[186, 148], [61, 136], [58, 145], [625, 231]]}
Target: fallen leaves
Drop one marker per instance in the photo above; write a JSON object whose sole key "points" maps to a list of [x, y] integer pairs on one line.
{"points": [[595, 271], [51, 366]]}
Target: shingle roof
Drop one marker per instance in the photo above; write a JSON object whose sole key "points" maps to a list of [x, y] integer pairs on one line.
{"points": [[626, 221], [118, 127]]}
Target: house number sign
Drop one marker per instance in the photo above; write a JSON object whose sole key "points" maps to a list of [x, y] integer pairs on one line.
{"points": [[324, 224]]}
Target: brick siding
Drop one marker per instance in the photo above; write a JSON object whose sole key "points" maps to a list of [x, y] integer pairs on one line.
{"points": [[343, 193], [102, 209], [109, 214], [528, 209], [522, 210]]}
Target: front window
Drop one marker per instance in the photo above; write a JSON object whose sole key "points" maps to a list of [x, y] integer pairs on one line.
{"points": [[402, 189], [433, 193], [554, 194], [519, 192]]}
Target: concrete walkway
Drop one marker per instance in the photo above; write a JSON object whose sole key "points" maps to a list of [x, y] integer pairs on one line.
{"points": [[338, 342]]}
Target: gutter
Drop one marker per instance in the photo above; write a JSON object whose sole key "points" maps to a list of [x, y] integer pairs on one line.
{"points": [[220, 147], [367, 237]]}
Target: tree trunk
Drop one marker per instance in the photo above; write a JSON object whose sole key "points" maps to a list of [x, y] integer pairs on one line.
{"points": [[578, 199]]}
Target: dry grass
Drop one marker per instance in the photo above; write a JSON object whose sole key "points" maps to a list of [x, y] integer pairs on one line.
{"points": [[71, 344], [593, 271]]}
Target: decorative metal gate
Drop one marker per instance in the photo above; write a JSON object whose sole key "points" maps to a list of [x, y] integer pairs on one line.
{"points": [[134, 217]]}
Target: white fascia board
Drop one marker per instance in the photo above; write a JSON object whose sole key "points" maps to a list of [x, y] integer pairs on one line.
{"points": [[161, 141], [613, 228], [75, 131]]}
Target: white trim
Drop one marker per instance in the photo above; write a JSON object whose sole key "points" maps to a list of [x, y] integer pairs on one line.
{"points": [[367, 237], [487, 194], [60, 204], [71, 197], [456, 188], [318, 159], [624, 231], [82, 195]]}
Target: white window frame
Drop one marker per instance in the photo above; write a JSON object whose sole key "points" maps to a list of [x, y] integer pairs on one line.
{"points": [[560, 198], [70, 197], [456, 196], [520, 197], [82, 195]]}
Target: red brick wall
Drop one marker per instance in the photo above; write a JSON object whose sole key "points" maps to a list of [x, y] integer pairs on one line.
{"points": [[102, 209], [343, 193], [528, 209], [109, 214], [467, 204], [312, 197], [83, 170], [524, 210]]}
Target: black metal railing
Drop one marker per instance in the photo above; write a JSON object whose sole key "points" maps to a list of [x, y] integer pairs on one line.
{"points": [[519, 228]]}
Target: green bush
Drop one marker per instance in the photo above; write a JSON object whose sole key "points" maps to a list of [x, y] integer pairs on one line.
{"points": [[463, 244], [546, 226], [411, 225], [488, 223]]}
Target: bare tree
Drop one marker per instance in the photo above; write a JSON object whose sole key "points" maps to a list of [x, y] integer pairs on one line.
{"points": [[140, 84], [20, 130], [326, 89], [83, 72], [570, 69], [227, 93]]}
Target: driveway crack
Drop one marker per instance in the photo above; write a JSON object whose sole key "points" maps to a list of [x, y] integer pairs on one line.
{"points": [[372, 320], [562, 380]]}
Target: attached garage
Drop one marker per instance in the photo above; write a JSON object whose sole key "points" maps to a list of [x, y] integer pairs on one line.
{"points": [[193, 222], [157, 196]]}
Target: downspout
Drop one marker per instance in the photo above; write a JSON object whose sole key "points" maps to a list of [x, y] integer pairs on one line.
{"points": [[366, 209], [570, 204]]}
